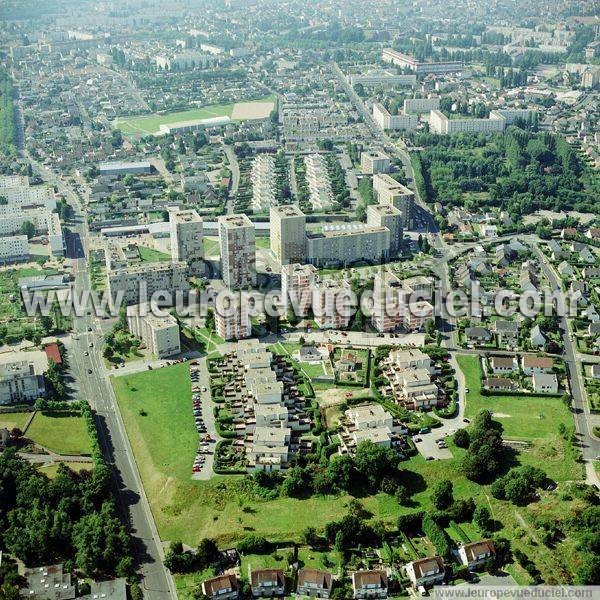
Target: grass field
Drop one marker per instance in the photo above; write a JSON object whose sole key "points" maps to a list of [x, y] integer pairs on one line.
{"points": [[12, 420], [52, 470], [152, 255], [150, 124], [211, 246], [63, 433], [523, 418]]}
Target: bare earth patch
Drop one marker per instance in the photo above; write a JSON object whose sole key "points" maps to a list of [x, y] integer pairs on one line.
{"points": [[252, 110]]}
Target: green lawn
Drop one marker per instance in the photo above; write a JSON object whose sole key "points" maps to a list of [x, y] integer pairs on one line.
{"points": [[12, 420], [263, 242], [187, 583], [152, 255], [523, 418], [60, 432], [211, 246]]}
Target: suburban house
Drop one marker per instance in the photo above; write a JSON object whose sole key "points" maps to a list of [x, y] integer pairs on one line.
{"points": [[565, 269], [426, 571], [499, 383], [507, 332], [315, 583], [475, 554], [596, 371], [536, 337], [309, 354], [594, 329], [545, 383], [478, 334], [266, 583], [536, 364], [503, 364], [369, 584], [224, 587]]}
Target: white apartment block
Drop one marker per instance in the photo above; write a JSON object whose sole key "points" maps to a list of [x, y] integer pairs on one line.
{"points": [[439, 123], [319, 184], [374, 162], [382, 78], [297, 283], [56, 241], [288, 234], [139, 283], [263, 182], [159, 333], [345, 244], [238, 251], [269, 449], [388, 191], [387, 215], [22, 376], [421, 105], [411, 359], [330, 306], [187, 243], [386, 121], [14, 248], [232, 318]]}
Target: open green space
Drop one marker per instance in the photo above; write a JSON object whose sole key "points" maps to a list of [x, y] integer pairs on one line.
{"points": [[211, 246], [523, 418], [187, 584], [61, 432], [51, 471], [152, 255], [11, 420]]}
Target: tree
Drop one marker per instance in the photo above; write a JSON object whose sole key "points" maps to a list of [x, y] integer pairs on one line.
{"points": [[28, 229], [482, 518], [461, 438], [373, 462], [441, 495], [402, 495], [311, 537]]}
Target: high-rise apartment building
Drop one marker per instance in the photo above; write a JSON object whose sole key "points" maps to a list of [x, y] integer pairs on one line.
{"points": [[330, 306], [388, 191], [238, 251], [232, 317], [387, 215], [288, 234], [160, 334], [186, 239], [297, 282]]}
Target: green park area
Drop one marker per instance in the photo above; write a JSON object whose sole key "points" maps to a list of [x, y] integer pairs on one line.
{"points": [[152, 255], [61, 432]]}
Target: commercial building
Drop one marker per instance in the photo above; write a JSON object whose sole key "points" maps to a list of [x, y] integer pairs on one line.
{"points": [[288, 234], [297, 282], [138, 283], [421, 105], [388, 191], [330, 305], [345, 244], [125, 168], [421, 68], [387, 215], [382, 78], [22, 376], [232, 317], [319, 183], [159, 333], [374, 162], [263, 182], [238, 251], [386, 121], [14, 248], [187, 243]]}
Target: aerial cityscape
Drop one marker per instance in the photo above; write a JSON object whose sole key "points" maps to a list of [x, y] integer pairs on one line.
{"points": [[299, 299]]}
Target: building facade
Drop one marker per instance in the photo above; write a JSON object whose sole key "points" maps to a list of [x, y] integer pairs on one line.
{"points": [[288, 234], [187, 243], [160, 334], [238, 251]]}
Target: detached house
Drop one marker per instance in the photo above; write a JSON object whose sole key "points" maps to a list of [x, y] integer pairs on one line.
{"points": [[477, 553], [224, 587], [507, 332], [536, 364], [369, 584], [545, 383], [266, 583], [315, 583], [501, 384], [536, 337], [426, 571], [503, 364], [478, 334]]}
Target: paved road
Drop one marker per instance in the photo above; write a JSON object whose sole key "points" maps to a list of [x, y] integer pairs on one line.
{"points": [[95, 387], [590, 445]]}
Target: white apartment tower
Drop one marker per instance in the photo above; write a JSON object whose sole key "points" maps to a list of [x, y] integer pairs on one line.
{"points": [[159, 333], [387, 215], [297, 282], [288, 234], [388, 191], [238, 251], [329, 305], [186, 239], [232, 317]]}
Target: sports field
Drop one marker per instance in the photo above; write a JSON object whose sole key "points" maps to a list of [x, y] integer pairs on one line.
{"points": [[150, 124]]}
